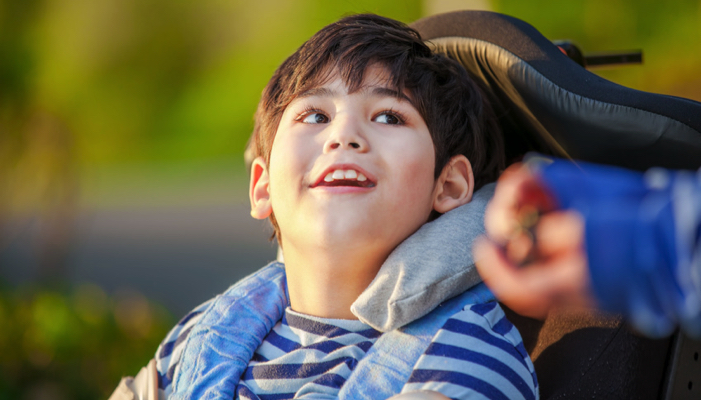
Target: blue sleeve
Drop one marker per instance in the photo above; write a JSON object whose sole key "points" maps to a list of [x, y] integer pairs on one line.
{"points": [[169, 351], [641, 237], [477, 354]]}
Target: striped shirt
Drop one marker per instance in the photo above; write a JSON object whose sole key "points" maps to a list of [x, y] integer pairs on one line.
{"points": [[477, 353], [303, 355]]}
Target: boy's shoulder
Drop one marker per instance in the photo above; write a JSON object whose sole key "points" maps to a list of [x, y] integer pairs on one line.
{"points": [[463, 347], [487, 322], [262, 289], [476, 350], [170, 350]]}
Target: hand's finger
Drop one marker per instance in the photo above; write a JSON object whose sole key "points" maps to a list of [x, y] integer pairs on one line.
{"points": [[500, 215], [517, 190], [560, 232], [534, 289], [494, 268], [520, 185], [501, 220], [509, 283], [519, 248]]}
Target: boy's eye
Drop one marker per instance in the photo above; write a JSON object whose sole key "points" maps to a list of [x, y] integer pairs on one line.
{"points": [[315, 118], [388, 118]]}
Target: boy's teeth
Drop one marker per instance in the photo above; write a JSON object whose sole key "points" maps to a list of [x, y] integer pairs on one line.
{"points": [[348, 174]]}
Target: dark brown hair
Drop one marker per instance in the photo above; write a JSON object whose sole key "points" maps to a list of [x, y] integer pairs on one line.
{"points": [[455, 110]]}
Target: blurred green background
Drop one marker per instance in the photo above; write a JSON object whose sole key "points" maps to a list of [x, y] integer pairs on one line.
{"points": [[122, 129]]}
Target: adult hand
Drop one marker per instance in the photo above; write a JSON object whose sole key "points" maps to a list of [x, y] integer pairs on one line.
{"points": [[535, 258]]}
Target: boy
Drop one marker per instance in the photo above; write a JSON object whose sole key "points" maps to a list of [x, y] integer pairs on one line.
{"points": [[362, 136]]}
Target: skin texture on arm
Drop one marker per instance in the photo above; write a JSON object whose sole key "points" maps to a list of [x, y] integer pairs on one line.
{"points": [[531, 275]]}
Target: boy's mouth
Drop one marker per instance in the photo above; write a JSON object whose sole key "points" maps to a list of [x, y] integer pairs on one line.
{"points": [[344, 177]]}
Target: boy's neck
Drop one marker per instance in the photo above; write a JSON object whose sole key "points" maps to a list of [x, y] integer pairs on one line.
{"points": [[328, 282]]}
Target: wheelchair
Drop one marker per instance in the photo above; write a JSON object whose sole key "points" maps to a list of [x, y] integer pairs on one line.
{"points": [[548, 102]]}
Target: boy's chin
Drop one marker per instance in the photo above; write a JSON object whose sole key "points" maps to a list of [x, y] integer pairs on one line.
{"points": [[346, 233], [358, 237]]}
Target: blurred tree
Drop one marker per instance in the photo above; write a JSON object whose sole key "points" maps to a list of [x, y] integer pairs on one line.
{"points": [[36, 160], [163, 80], [85, 84]]}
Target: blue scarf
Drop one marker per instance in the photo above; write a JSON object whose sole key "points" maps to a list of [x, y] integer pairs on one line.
{"points": [[220, 346]]}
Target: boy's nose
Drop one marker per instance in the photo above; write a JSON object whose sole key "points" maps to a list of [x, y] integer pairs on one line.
{"points": [[346, 135]]}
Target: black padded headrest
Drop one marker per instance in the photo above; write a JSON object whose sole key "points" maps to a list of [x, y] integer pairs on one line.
{"points": [[548, 103]]}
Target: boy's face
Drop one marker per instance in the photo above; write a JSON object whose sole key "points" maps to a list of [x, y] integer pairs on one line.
{"points": [[353, 170]]}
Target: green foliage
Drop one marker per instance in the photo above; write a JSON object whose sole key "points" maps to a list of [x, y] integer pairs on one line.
{"points": [[157, 81], [137, 80], [86, 85], [74, 344]]}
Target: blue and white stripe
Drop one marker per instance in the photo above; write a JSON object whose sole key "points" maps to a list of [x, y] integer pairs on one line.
{"points": [[478, 353], [304, 355]]}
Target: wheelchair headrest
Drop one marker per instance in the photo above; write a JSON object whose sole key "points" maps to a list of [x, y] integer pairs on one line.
{"points": [[549, 103]]}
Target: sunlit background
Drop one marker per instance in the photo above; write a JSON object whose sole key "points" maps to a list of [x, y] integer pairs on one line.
{"points": [[122, 127]]}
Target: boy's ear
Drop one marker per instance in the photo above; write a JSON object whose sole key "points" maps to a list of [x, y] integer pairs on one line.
{"points": [[455, 185], [259, 190]]}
